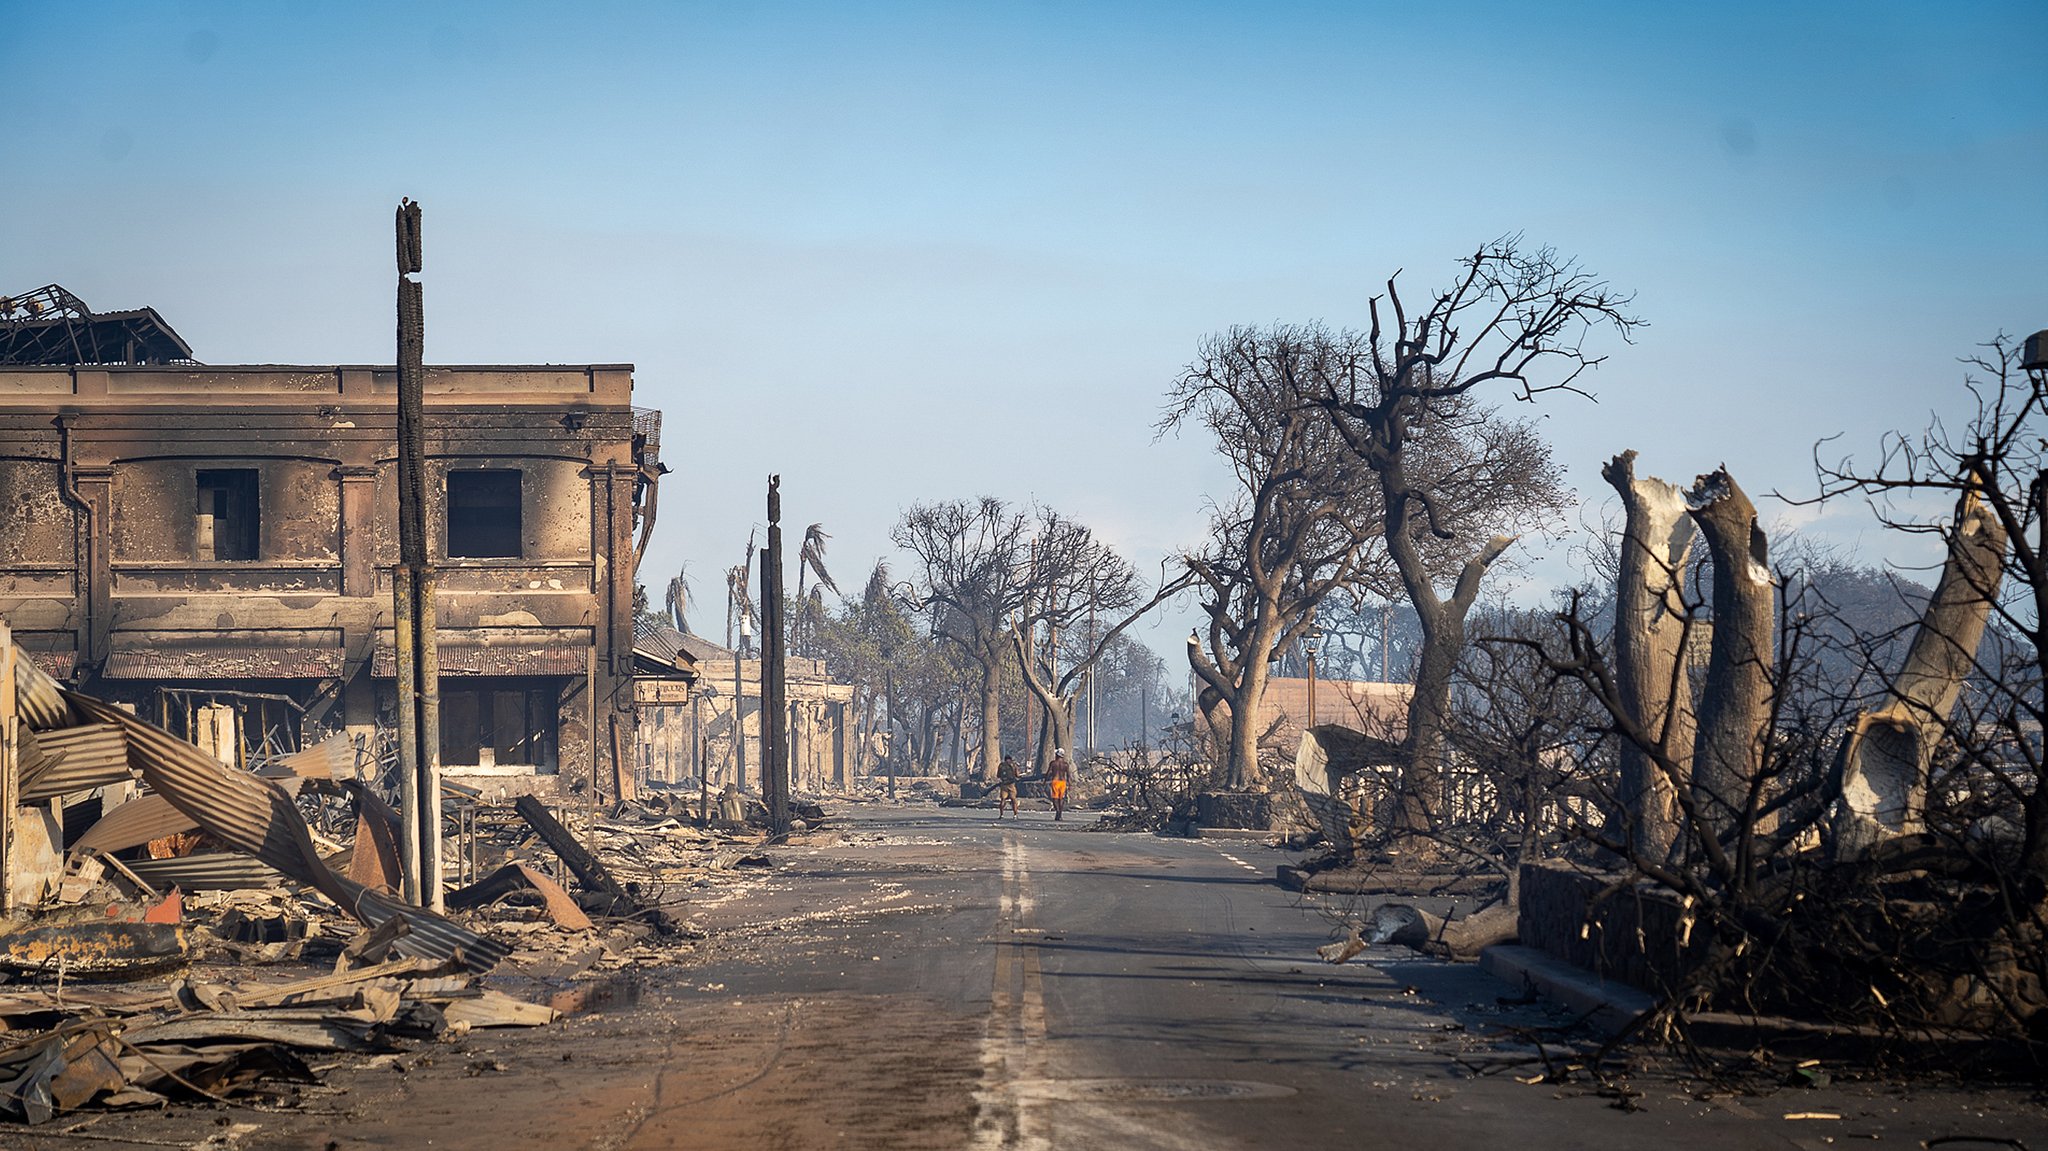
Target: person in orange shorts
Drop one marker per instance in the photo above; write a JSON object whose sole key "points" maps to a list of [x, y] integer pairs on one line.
{"points": [[1057, 773]]}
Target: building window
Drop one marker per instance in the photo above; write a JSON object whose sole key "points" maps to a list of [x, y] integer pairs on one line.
{"points": [[227, 527], [483, 515], [507, 723]]}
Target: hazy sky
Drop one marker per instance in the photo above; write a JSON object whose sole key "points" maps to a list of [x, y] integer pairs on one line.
{"points": [[902, 252]]}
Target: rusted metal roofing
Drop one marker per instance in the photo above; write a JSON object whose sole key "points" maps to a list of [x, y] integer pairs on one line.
{"points": [[482, 659], [56, 664], [256, 816], [226, 663], [332, 758]]}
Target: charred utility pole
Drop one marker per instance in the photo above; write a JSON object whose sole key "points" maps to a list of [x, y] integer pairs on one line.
{"points": [[774, 696], [419, 679], [739, 710]]}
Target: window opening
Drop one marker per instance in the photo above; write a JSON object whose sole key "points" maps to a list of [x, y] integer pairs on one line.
{"points": [[227, 527], [483, 515], [506, 724]]}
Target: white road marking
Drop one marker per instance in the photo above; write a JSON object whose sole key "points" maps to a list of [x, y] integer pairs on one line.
{"points": [[1239, 862], [1013, 1040]]}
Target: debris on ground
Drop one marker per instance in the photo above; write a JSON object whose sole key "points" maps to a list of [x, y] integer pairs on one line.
{"points": [[215, 928]]}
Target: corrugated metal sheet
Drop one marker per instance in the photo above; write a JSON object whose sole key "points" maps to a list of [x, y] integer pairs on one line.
{"points": [[226, 663], [331, 758], [133, 824], [477, 659], [38, 698], [79, 758], [256, 816], [212, 871]]}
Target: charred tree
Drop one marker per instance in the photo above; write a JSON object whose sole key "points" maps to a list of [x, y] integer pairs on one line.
{"points": [[1736, 699], [1886, 757], [1651, 627], [1301, 524], [1515, 320], [973, 581]]}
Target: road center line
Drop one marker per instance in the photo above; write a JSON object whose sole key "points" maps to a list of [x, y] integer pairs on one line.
{"points": [[1239, 862], [1012, 1043]]}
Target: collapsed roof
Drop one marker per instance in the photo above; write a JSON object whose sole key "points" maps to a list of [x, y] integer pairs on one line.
{"points": [[50, 326]]}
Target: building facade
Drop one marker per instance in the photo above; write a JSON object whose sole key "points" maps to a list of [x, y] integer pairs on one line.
{"points": [[687, 732], [178, 536]]}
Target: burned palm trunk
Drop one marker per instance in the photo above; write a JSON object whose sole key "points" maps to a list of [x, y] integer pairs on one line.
{"points": [[1649, 640], [1735, 705], [1884, 760]]}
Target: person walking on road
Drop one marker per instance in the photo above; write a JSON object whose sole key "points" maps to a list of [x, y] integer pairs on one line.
{"points": [[1058, 772], [1006, 786]]}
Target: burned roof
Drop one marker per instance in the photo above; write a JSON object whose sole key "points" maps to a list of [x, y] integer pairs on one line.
{"points": [[662, 650], [51, 326]]}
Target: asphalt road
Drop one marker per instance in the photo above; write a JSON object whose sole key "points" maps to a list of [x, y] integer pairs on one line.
{"points": [[1132, 991], [932, 978]]}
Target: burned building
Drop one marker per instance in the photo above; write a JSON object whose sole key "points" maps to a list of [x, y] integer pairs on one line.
{"points": [[686, 728], [187, 538]]}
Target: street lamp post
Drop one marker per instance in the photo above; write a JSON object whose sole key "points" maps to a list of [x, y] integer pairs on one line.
{"points": [[1314, 638]]}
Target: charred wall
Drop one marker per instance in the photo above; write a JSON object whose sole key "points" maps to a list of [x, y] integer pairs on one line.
{"points": [[234, 527]]}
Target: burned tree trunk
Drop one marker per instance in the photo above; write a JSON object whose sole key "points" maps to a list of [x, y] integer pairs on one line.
{"points": [[991, 721], [1429, 709], [1649, 657], [1885, 758], [1247, 706], [1735, 705]]}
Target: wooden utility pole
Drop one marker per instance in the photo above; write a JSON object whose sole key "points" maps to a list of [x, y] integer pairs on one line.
{"points": [[739, 711], [774, 696], [413, 633], [10, 769]]}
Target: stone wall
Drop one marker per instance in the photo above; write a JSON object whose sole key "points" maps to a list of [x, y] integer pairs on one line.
{"points": [[1613, 925]]}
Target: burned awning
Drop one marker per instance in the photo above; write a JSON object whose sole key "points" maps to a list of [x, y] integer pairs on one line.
{"points": [[226, 663], [659, 650]]}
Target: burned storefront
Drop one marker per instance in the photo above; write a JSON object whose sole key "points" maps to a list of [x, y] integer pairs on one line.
{"points": [[212, 545], [686, 716]]}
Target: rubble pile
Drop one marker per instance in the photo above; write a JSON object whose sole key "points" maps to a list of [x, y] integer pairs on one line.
{"points": [[204, 938], [208, 1038]]}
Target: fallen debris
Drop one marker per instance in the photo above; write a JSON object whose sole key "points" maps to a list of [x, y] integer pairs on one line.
{"points": [[589, 871], [560, 907], [150, 967], [94, 949], [211, 1042], [1343, 949]]}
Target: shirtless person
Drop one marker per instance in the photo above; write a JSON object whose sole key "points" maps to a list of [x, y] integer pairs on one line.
{"points": [[1058, 772]]}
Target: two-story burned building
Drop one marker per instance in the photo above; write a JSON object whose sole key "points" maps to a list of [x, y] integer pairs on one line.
{"points": [[182, 537]]}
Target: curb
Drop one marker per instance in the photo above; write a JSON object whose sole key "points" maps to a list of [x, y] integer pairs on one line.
{"points": [[1243, 833], [1608, 1006]]}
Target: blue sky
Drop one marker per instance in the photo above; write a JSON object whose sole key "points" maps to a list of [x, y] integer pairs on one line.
{"points": [[962, 249]]}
